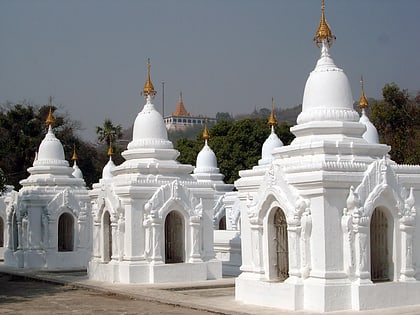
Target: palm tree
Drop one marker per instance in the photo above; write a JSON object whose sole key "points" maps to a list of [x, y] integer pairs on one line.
{"points": [[108, 133]]}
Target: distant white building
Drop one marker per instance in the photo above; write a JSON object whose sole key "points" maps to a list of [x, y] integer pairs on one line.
{"points": [[49, 220], [153, 221], [181, 119], [331, 223]]}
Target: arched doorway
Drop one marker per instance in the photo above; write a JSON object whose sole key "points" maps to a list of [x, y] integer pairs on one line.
{"points": [[281, 245], [380, 246], [107, 236], [222, 223], [174, 238], [65, 233]]}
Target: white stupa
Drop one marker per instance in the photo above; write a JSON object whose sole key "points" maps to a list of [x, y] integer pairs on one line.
{"points": [[371, 134], [272, 142], [50, 220], [77, 172], [152, 219], [332, 224]]}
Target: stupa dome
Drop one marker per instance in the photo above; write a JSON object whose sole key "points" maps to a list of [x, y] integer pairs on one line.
{"points": [[77, 172], [106, 172], [50, 148], [327, 94], [272, 142], [206, 159], [371, 134]]}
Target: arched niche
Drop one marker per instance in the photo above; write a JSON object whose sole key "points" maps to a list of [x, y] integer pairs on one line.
{"points": [[65, 232], [174, 238], [278, 245], [381, 245]]}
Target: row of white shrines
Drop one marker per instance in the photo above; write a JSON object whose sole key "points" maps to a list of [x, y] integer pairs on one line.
{"points": [[326, 223]]}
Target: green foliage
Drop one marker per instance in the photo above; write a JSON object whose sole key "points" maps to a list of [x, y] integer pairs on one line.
{"points": [[108, 132], [237, 145], [221, 116], [397, 119]]}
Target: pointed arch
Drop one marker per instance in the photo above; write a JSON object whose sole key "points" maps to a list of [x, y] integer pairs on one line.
{"points": [[174, 237], [274, 198], [65, 241]]}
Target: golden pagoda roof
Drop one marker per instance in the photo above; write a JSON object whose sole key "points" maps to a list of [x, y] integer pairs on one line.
{"points": [[272, 121], [180, 109], [148, 89], [324, 34], [50, 118], [363, 102]]}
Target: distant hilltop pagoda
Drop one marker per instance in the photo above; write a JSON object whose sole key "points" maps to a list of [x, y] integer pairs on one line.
{"points": [[181, 119]]}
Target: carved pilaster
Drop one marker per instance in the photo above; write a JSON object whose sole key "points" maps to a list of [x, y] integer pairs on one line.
{"points": [[156, 229], [195, 238]]}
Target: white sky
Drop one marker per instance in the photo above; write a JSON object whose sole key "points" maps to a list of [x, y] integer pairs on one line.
{"points": [[224, 55]]}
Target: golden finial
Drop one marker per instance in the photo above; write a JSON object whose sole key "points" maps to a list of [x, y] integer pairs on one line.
{"points": [[324, 34], [50, 118], [74, 157], [363, 102], [272, 121], [148, 89], [206, 134], [110, 151]]}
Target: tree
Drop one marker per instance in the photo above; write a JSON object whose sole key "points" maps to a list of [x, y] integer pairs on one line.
{"points": [[237, 145], [397, 119], [108, 132], [221, 116]]}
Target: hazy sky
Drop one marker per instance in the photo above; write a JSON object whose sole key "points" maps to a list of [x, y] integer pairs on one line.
{"points": [[224, 55]]}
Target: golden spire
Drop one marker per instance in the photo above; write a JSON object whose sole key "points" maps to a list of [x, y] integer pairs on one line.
{"points": [[324, 34], [206, 134], [50, 118], [148, 89], [74, 157], [363, 102], [272, 121], [110, 151]]}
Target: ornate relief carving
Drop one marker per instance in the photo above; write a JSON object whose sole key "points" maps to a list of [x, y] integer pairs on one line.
{"points": [[174, 191], [63, 199]]}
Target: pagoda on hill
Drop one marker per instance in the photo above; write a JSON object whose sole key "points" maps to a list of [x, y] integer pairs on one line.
{"points": [[182, 119]]}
